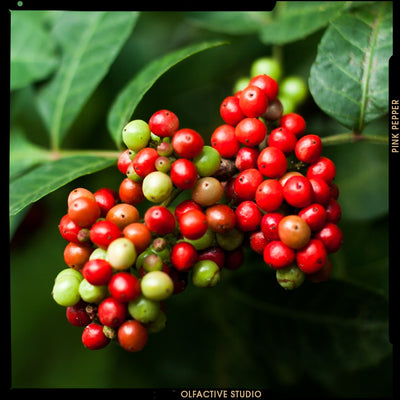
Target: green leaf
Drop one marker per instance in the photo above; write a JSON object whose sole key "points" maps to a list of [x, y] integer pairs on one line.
{"points": [[294, 20], [90, 42], [50, 176], [128, 99], [32, 55], [349, 78]]}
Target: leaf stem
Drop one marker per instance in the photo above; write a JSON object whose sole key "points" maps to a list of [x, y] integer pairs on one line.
{"points": [[352, 137], [58, 154]]}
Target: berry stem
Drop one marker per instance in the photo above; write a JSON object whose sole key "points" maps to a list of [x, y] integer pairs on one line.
{"points": [[172, 197], [352, 137]]}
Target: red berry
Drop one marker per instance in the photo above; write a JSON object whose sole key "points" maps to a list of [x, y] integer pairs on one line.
{"points": [[77, 314], [215, 254], [283, 139], [220, 218], [333, 211], [272, 162], [102, 233], [124, 287], [234, 258], [309, 148], [139, 234], [159, 220], [193, 224], [246, 183], [76, 255], [186, 205], [106, 199], [71, 231], [183, 174], [187, 143], [331, 236], [230, 110], [124, 161], [258, 242], [270, 224], [294, 123], [112, 312], [144, 161], [312, 257], [278, 255], [323, 168], [314, 215], [267, 84], [132, 336], [97, 272], [164, 123], [269, 195], [246, 158], [93, 337], [131, 192], [84, 211], [298, 191], [250, 131], [224, 141], [183, 256], [248, 216], [253, 101], [320, 190]]}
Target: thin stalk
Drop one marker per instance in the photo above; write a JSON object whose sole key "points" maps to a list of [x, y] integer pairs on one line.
{"points": [[351, 137], [56, 155]]}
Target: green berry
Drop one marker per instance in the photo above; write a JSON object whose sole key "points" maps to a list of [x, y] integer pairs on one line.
{"points": [[144, 310], [241, 83], [290, 277], [136, 135], [288, 105], [152, 262], [207, 161], [268, 66], [204, 241], [66, 290], [205, 273], [294, 88], [69, 272], [157, 285], [98, 254], [230, 240], [92, 293], [159, 324], [121, 254], [157, 186]]}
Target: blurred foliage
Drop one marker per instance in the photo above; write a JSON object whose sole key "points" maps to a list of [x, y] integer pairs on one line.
{"points": [[321, 340]]}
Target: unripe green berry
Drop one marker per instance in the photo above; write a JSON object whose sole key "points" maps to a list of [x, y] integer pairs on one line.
{"points": [[293, 88], [268, 66], [121, 254], [157, 285], [157, 186], [241, 84], [205, 273], [136, 134], [66, 290], [290, 277], [207, 161], [69, 272], [204, 241], [230, 240], [143, 309], [152, 262], [98, 254], [92, 293]]}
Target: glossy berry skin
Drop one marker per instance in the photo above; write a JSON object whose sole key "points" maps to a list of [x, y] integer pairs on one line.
{"points": [[213, 253], [246, 183], [93, 337], [207, 191], [159, 220], [132, 336], [311, 258], [270, 224], [97, 272], [131, 192], [294, 123], [193, 224], [248, 216], [224, 141], [272, 162], [187, 143], [230, 111], [144, 161], [186, 205], [314, 215], [183, 173], [323, 168], [308, 148], [139, 234], [269, 195], [333, 211], [253, 101], [206, 273], [268, 84], [136, 134], [298, 191], [77, 315], [183, 256], [76, 255], [84, 211], [321, 191], [164, 123], [283, 139], [258, 242], [77, 193], [250, 131], [102, 233], [124, 161], [112, 312], [220, 218], [106, 199], [71, 231], [124, 287], [331, 236], [246, 158], [294, 231], [278, 255], [157, 285], [123, 214]]}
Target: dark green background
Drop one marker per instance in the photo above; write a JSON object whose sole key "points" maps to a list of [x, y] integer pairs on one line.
{"points": [[329, 339]]}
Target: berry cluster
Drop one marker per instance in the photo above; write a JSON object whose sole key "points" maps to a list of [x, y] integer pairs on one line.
{"points": [[273, 192]]}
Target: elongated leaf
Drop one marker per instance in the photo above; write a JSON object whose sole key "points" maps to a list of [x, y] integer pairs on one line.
{"points": [[90, 42], [128, 99], [33, 55], [349, 78], [50, 176], [294, 20]]}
